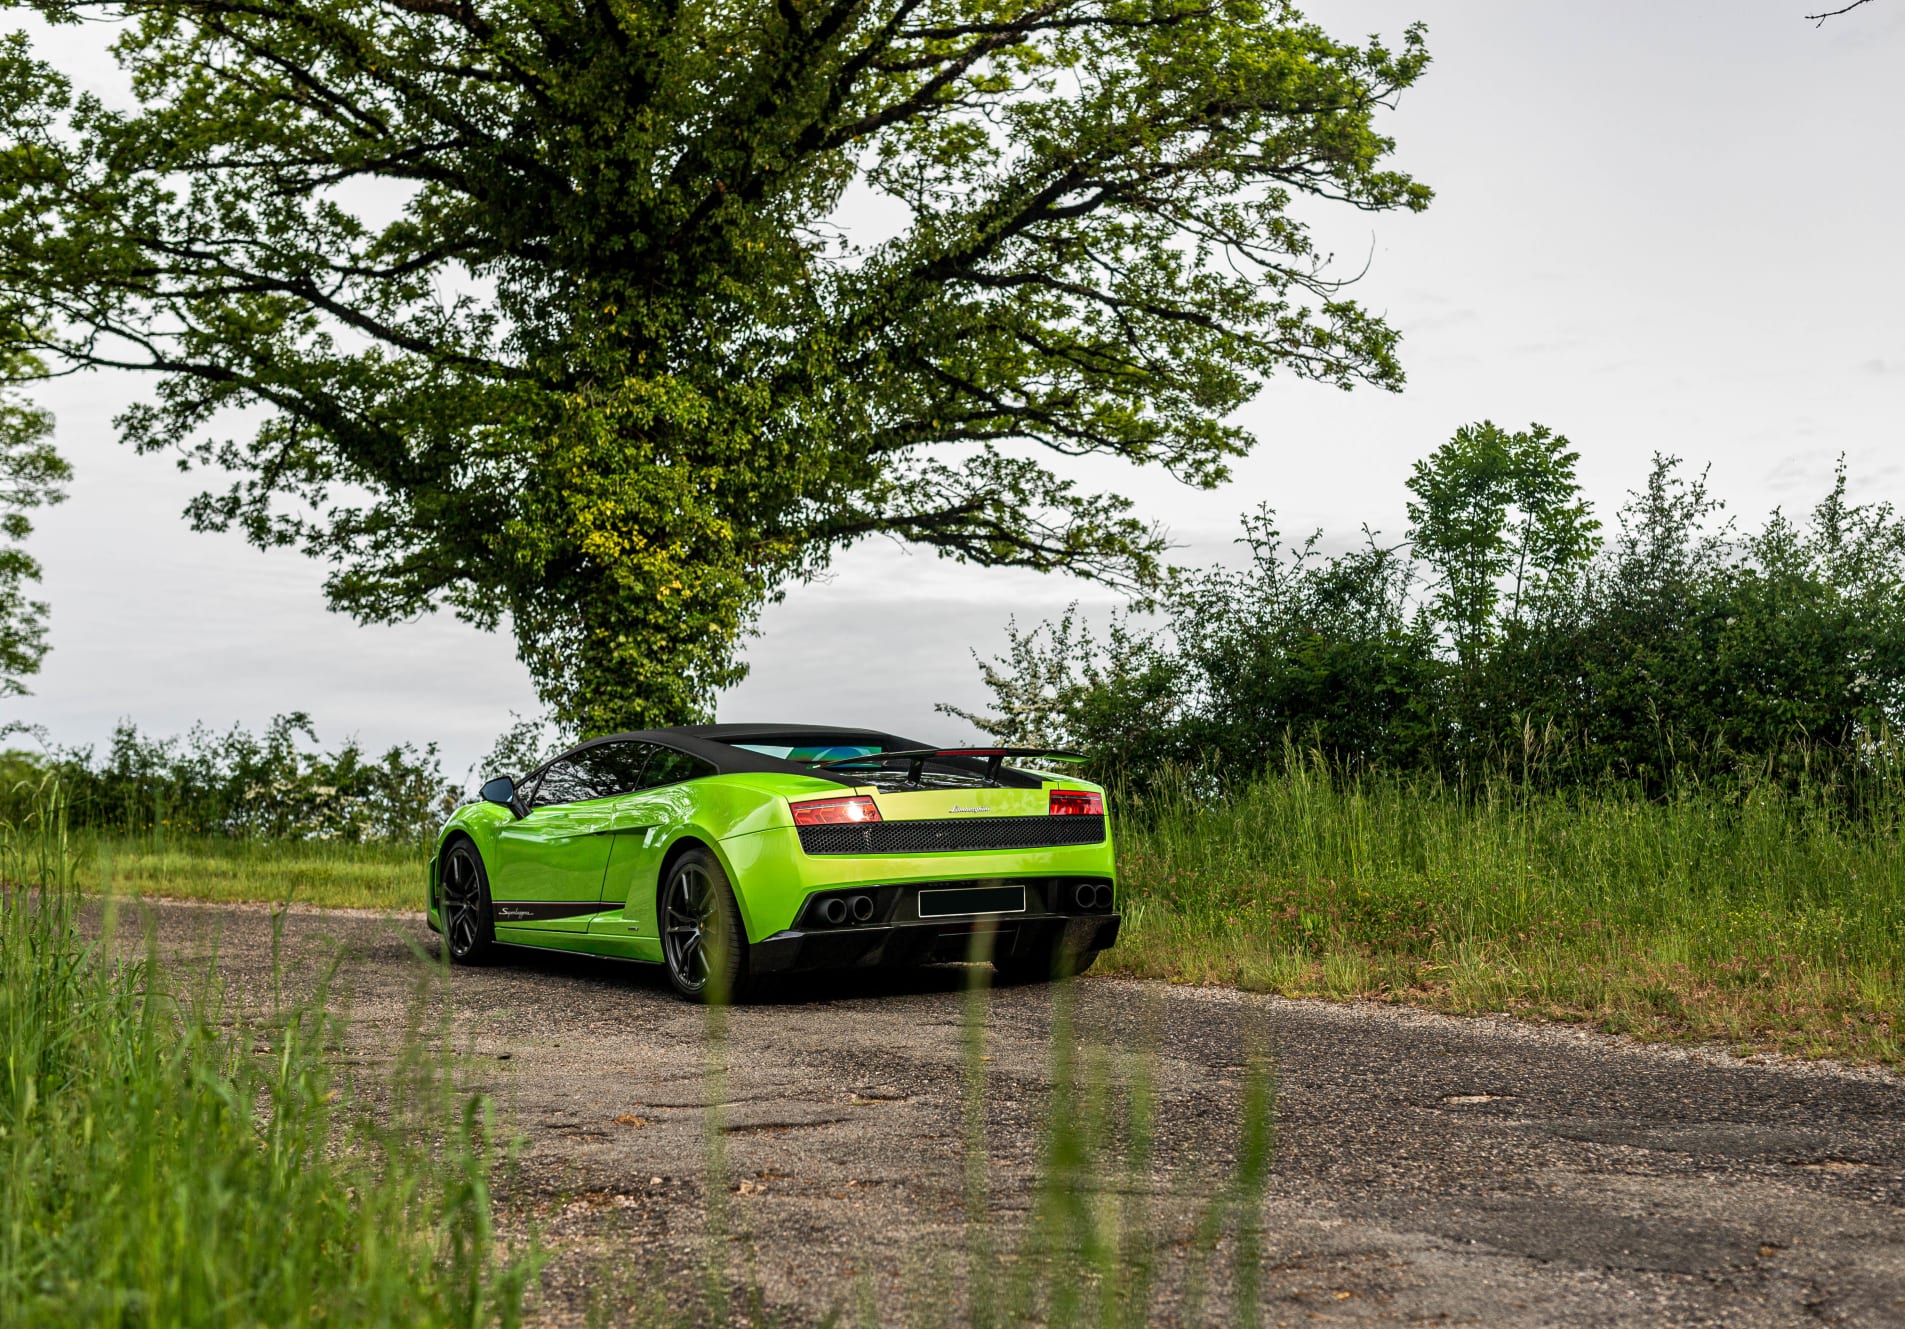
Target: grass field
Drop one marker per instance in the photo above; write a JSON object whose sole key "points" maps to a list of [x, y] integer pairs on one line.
{"points": [[331, 873], [1767, 925]]}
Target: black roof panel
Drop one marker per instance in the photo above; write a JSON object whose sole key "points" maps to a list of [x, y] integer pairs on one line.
{"points": [[714, 744]]}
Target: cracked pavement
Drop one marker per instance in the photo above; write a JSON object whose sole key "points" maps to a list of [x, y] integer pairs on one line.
{"points": [[1428, 1169]]}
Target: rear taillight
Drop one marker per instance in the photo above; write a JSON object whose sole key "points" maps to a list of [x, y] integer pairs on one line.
{"points": [[835, 811], [1076, 803]]}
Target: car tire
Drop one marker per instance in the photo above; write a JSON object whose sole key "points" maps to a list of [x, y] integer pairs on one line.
{"points": [[469, 922], [703, 942]]}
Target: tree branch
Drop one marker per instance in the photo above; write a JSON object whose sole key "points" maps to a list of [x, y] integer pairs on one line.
{"points": [[1819, 20]]}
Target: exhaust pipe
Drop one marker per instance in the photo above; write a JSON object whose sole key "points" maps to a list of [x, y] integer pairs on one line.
{"points": [[862, 908], [1104, 897], [1086, 895], [833, 912]]}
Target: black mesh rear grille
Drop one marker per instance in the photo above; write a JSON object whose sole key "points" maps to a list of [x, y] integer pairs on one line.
{"points": [[953, 836]]}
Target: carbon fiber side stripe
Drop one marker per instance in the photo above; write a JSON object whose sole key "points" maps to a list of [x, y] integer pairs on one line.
{"points": [[547, 911]]}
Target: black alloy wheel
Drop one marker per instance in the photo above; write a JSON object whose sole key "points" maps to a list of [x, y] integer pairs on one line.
{"points": [[702, 940], [469, 929]]}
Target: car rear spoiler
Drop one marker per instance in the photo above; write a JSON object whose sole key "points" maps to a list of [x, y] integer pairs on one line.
{"points": [[918, 757]]}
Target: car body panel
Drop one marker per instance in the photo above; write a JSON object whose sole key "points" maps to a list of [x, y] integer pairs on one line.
{"points": [[548, 866], [585, 876]]}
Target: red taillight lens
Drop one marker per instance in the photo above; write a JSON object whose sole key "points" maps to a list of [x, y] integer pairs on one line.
{"points": [[835, 811], [1076, 803]]}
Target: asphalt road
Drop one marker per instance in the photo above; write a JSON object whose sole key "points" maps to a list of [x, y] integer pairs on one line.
{"points": [[1427, 1170]]}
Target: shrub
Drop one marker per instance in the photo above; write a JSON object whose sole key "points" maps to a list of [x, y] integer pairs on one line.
{"points": [[1678, 652], [274, 785]]}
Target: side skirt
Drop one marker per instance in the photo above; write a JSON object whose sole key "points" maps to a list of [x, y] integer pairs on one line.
{"points": [[606, 943]]}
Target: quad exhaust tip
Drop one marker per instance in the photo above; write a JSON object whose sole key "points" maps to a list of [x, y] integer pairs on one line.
{"points": [[1092, 896], [862, 907], [833, 912]]}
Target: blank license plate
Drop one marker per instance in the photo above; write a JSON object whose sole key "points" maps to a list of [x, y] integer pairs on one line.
{"points": [[972, 900]]}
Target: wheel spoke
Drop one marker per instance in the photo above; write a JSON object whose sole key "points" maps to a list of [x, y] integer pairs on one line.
{"points": [[462, 901], [688, 913]]}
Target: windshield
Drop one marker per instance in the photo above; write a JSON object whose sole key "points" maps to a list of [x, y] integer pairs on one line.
{"points": [[812, 753]]}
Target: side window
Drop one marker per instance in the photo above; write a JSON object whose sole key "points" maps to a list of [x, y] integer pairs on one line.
{"points": [[614, 768], [563, 782], [526, 788], [670, 767], [603, 771]]}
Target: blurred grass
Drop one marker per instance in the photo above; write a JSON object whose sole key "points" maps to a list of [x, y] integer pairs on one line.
{"points": [[171, 1159], [1770, 922]]}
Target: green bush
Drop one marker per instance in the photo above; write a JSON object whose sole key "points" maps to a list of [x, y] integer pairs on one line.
{"points": [[278, 785], [1679, 653]]}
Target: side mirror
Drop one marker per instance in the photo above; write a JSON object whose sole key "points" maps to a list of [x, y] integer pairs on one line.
{"points": [[502, 790]]}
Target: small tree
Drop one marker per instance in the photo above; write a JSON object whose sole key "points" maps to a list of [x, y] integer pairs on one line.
{"points": [[1498, 513]]}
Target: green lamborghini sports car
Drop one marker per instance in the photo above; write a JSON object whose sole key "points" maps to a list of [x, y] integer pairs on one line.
{"points": [[731, 852]]}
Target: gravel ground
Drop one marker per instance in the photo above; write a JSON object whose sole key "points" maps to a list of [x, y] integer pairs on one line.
{"points": [[1428, 1169]]}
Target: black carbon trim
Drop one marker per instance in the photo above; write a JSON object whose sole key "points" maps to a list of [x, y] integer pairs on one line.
{"points": [[954, 835], [509, 912], [933, 939], [898, 902]]}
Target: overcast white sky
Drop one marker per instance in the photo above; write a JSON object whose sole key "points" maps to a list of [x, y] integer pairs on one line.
{"points": [[1659, 225]]}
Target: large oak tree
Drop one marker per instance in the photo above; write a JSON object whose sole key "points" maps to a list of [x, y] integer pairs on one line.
{"points": [[32, 475], [613, 318]]}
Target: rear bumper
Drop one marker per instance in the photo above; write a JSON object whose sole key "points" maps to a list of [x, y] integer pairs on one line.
{"points": [[775, 879], [920, 941]]}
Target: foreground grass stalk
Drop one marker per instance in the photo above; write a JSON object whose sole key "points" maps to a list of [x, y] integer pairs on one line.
{"points": [[1256, 1151], [173, 1161], [1133, 1250], [1087, 1254], [980, 1254], [717, 1229]]}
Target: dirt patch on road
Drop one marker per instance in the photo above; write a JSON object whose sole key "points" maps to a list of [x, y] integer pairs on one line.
{"points": [[1428, 1169]]}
